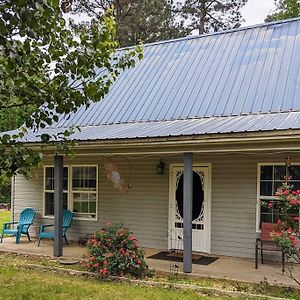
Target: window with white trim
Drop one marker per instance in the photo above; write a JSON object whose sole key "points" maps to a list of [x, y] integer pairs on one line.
{"points": [[49, 190], [84, 191], [80, 191], [270, 180]]}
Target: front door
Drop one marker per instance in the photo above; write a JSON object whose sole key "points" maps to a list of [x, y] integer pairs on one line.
{"points": [[201, 209]]}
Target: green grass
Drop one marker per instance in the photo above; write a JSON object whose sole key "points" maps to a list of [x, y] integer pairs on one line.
{"points": [[17, 283], [20, 280], [4, 217]]}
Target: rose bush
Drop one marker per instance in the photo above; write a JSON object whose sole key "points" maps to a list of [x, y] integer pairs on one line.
{"points": [[113, 250], [287, 234]]}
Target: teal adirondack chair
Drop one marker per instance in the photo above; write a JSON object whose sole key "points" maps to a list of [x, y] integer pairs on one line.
{"points": [[26, 219], [67, 220]]}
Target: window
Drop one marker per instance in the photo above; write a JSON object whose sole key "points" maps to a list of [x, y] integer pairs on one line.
{"points": [[49, 190], [271, 178], [80, 191], [84, 191]]}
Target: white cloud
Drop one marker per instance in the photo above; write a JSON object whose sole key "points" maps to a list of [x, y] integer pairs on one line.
{"points": [[255, 11]]}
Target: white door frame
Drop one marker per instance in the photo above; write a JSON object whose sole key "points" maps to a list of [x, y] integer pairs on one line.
{"points": [[208, 193]]}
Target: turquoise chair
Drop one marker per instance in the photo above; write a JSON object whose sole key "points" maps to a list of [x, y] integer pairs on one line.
{"points": [[26, 219], [67, 220]]}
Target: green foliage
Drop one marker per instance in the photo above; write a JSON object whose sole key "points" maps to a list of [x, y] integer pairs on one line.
{"points": [[137, 20], [285, 9], [49, 69], [5, 188], [115, 251], [288, 233], [212, 15]]}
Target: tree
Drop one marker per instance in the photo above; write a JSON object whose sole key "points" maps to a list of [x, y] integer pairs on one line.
{"points": [[212, 15], [136, 20], [285, 9], [51, 70]]}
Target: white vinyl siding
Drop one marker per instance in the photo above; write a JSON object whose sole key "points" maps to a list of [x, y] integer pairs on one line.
{"points": [[144, 209]]}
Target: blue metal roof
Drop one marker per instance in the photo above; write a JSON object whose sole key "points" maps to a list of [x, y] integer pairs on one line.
{"points": [[177, 128], [242, 80], [243, 71]]}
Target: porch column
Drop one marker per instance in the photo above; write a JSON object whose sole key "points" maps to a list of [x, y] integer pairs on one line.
{"points": [[187, 211], [58, 205]]}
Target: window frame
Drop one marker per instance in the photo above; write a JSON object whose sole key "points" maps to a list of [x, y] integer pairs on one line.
{"points": [[70, 191], [259, 197]]}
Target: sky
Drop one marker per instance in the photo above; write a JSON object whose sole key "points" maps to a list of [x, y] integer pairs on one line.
{"points": [[255, 11]]}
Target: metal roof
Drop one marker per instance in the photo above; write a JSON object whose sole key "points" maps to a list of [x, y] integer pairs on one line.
{"points": [[175, 128], [246, 79], [243, 71]]}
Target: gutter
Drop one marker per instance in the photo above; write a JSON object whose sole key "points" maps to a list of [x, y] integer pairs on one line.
{"points": [[233, 139]]}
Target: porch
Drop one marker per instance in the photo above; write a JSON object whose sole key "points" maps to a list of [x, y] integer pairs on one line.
{"points": [[239, 269]]}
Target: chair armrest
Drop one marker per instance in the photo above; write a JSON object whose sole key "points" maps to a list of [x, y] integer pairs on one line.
{"points": [[24, 224], [42, 227], [8, 223]]}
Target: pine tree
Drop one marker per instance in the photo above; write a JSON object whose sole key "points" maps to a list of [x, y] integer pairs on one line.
{"points": [[137, 20], [212, 15], [285, 9]]}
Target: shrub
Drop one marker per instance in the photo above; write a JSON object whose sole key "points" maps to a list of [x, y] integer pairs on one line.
{"points": [[287, 234], [115, 251]]}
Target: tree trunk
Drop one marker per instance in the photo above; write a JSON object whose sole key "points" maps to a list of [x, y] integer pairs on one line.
{"points": [[202, 15]]}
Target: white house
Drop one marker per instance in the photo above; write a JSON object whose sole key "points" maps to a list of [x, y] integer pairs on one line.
{"points": [[228, 102]]}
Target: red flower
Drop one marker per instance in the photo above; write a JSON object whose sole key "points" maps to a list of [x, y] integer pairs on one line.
{"points": [[296, 219], [139, 261], [277, 233], [105, 263], [293, 202], [131, 238], [103, 271], [289, 230], [270, 204], [96, 265], [92, 258]]}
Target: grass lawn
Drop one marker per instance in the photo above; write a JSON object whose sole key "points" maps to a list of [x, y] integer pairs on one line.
{"points": [[20, 280], [4, 217], [17, 283]]}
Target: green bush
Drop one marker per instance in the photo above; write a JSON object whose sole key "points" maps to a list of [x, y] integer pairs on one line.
{"points": [[113, 250]]}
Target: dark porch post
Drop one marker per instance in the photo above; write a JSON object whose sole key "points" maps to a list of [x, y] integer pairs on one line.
{"points": [[58, 205], [187, 211]]}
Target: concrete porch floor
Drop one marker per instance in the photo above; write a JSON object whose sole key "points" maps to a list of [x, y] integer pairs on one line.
{"points": [[225, 267]]}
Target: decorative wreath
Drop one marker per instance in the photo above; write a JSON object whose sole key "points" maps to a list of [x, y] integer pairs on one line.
{"points": [[114, 175]]}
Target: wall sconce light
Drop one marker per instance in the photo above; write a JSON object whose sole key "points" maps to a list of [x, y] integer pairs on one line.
{"points": [[160, 168], [288, 161]]}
